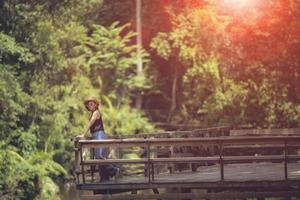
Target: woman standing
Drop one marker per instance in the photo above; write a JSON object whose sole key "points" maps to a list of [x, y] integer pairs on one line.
{"points": [[96, 128]]}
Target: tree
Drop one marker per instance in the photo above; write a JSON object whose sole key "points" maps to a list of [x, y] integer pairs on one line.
{"points": [[250, 53], [198, 36], [44, 80], [112, 63]]}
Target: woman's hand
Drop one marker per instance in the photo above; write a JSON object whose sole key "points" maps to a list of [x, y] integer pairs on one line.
{"points": [[80, 136]]}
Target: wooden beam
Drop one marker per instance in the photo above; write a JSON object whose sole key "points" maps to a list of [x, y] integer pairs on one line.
{"points": [[115, 161], [189, 141], [220, 195], [211, 131], [210, 159], [259, 132], [200, 185]]}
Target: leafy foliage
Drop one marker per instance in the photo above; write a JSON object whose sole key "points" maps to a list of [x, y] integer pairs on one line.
{"points": [[222, 68], [32, 180], [124, 120], [231, 68], [52, 58], [111, 61], [216, 97]]}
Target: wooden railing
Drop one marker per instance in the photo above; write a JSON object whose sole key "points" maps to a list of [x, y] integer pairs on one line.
{"points": [[265, 132], [288, 145], [213, 132], [200, 132]]}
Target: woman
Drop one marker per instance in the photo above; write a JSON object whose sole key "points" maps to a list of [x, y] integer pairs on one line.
{"points": [[96, 129]]}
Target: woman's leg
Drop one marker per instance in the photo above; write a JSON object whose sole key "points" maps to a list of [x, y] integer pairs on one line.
{"points": [[101, 153], [104, 154]]}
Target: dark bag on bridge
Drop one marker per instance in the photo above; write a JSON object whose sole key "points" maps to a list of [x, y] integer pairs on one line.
{"points": [[112, 170]]}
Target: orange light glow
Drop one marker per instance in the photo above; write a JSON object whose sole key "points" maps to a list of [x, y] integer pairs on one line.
{"points": [[239, 3]]}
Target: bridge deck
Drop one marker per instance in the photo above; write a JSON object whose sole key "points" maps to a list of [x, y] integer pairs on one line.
{"points": [[265, 163], [246, 172]]}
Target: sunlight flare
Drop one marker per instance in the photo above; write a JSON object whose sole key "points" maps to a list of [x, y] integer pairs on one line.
{"points": [[239, 3]]}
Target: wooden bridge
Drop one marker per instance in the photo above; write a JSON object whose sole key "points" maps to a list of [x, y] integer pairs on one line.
{"points": [[224, 167]]}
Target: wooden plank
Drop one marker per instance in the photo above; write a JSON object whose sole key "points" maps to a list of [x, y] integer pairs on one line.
{"points": [[168, 134], [260, 172], [77, 155], [200, 185], [254, 146], [214, 159], [113, 143], [293, 158], [253, 158], [115, 161], [188, 141], [284, 131], [220, 195], [141, 151]]}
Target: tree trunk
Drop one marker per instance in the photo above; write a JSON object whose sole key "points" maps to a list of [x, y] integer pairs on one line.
{"points": [[138, 100], [174, 93]]}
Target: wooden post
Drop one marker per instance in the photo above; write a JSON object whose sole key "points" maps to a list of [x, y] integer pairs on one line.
{"points": [[77, 156], [152, 171], [171, 165], [82, 167], [221, 161], [92, 167], [77, 160], [148, 164], [155, 155], [118, 151], [120, 156], [285, 160]]}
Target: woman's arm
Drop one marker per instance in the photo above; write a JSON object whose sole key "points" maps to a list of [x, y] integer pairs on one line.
{"points": [[94, 117]]}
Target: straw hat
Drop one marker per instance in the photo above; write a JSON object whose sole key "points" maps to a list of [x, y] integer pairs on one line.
{"points": [[92, 99]]}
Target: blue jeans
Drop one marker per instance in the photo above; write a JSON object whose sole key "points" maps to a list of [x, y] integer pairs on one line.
{"points": [[101, 152], [105, 171]]}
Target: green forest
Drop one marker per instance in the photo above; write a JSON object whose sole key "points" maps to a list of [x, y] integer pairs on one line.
{"points": [[205, 62]]}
